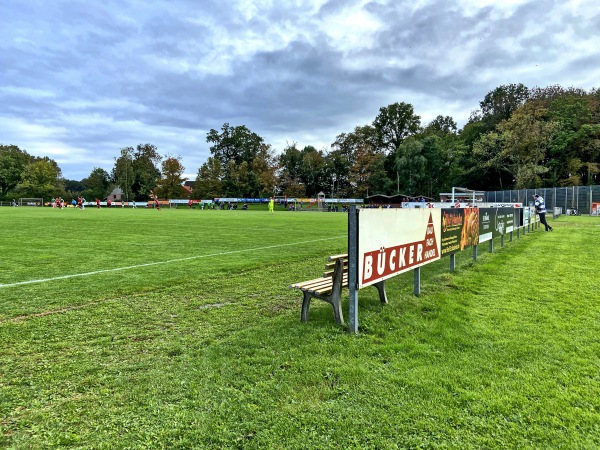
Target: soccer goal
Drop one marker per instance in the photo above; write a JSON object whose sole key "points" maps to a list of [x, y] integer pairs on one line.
{"points": [[31, 202]]}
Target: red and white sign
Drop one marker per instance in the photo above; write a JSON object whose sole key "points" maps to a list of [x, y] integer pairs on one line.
{"points": [[392, 241]]}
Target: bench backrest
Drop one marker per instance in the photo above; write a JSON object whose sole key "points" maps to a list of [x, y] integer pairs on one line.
{"points": [[333, 261]]}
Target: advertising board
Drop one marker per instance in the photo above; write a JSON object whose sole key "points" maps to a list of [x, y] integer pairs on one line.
{"points": [[393, 241], [460, 229], [486, 224], [504, 221]]}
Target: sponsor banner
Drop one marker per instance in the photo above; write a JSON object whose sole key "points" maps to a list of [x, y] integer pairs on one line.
{"points": [[460, 229], [504, 221], [525, 213], [487, 217], [393, 241], [453, 220], [242, 200]]}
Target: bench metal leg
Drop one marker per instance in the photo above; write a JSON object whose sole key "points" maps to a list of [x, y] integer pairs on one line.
{"points": [[381, 289], [334, 300], [305, 306], [336, 304]]}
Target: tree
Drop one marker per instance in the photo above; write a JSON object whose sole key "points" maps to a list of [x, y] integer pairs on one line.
{"points": [[499, 104], [97, 184], [394, 124], [237, 144], [264, 166], [441, 126], [74, 188], [517, 149], [289, 170], [171, 183], [41, 178], [208, 180], [526, 137], [437, 165], [302, 172], [146, 174], [410, 165], [366, 170], [13, 161], [368, 175], [313, 170], [123, 173]]}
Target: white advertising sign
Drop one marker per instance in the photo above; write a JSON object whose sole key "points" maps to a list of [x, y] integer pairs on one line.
{"points": [[392, 241]]}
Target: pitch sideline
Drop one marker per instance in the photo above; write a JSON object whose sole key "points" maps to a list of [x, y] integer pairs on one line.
{"points": [[157, 263]]}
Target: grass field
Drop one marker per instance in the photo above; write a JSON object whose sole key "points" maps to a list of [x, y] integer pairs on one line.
{"points": [[176, 329]]}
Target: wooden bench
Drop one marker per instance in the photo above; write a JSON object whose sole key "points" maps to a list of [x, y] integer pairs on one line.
{"points": [[329, 287]]}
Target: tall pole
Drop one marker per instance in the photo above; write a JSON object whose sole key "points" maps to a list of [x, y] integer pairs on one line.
{"points": [[353, 267]]}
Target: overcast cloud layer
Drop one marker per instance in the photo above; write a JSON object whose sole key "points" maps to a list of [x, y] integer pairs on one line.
{"points": [[80, 80]]}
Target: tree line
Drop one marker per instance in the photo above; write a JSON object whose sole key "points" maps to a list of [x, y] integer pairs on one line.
{"points": [[518, 138]]}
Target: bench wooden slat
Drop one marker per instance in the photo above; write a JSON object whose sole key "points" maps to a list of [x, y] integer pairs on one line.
{"points": [[334, 257], [327, 288], [329, 273], [303, 284]]}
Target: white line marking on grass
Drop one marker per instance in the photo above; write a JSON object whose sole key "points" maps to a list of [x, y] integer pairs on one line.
{"points": [[157, 263]]}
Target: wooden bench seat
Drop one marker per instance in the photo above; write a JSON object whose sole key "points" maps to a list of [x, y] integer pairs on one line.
{"points": [[329, 287]]}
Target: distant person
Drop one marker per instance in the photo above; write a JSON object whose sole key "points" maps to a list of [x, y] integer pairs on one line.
{"points": [[271, 205], [156, 202], [98, 203], [133, 205], [540, 210], [14, 203]]}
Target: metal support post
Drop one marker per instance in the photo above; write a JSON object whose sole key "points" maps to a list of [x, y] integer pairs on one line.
{"points": [[452, 262], [417, 273], [353, 267]]}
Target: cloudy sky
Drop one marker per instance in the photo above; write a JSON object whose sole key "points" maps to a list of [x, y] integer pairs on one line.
{"points": [[80, 80]]}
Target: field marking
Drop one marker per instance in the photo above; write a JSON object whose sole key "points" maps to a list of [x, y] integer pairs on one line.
{"points": [[157, 263]]}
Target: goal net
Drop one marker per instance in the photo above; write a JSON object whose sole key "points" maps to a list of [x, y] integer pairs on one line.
{"points": [[31, 202]]}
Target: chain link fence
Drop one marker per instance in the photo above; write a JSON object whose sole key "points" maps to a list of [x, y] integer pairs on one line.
{"points": [[580, 198]]}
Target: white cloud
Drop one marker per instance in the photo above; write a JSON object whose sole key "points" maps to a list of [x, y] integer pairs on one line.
{"points": [[82, 80]]}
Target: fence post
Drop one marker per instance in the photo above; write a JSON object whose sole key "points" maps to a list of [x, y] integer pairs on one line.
{"points": [[475, 252], [491, 246], [452, 262], [502, 241]]}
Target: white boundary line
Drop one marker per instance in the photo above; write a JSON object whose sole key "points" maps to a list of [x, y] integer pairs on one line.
{"points": [[188, 258]]}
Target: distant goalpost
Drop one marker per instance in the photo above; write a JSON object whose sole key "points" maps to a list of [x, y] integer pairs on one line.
{"points": [[31, 202]]}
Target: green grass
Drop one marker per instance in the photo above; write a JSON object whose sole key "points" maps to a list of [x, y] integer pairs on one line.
{"points": [[202, 347]]}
